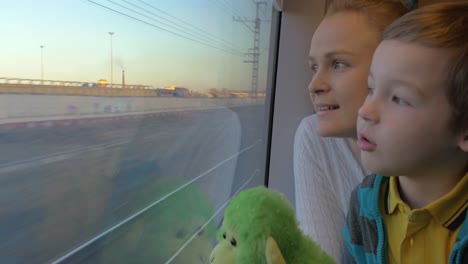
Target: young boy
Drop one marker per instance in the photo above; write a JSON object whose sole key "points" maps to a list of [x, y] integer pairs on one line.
{"points": [[414, 125]]}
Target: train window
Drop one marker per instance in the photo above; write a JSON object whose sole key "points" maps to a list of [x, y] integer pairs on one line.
{"points": [[127, 125]]}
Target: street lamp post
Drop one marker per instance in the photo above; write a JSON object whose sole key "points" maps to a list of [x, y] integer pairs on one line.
{"points": [[111, 62], [42, 63]]}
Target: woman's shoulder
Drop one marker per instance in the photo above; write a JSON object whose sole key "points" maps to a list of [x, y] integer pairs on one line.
{"points": [[308, 142], [307, 131], [308, 123]]}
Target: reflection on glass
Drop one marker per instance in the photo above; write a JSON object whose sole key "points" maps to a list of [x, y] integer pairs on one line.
{"points": [[164, 229], [127, 123]]}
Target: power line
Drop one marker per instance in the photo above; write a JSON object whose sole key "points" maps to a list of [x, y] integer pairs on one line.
{"points": [[199, 35], [228, 8], [168, 25], [256, 48], [233, 15], [244, 22], [184, 22], [163, 29], [223, 7], [254, 2], [235, 10]]}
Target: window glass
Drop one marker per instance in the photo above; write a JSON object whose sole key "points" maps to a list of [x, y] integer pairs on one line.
{"points": [[127, 125]]}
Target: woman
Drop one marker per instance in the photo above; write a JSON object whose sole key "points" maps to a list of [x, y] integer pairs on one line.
{"points": [[326, 159]]}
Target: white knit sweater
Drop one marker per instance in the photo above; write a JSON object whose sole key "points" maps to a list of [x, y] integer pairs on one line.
{"points": [[325, 172]]}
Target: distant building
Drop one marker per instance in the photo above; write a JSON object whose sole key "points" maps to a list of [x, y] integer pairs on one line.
{"points": [[164, 92], [174, 91], [181, 92], [102, 83]]}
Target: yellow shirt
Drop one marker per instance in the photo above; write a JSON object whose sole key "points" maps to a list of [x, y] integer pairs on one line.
{"points": [[425, 235]]}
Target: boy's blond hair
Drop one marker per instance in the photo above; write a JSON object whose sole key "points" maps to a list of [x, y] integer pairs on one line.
{"points": [[380, 13], [443, 26]]}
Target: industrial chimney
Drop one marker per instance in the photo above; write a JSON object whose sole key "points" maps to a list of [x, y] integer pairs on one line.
{"points": [[123, 79]]}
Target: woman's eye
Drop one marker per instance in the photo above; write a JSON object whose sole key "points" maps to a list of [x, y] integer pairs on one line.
{"points": [[370, 90], [314, 68], [338, 65]]}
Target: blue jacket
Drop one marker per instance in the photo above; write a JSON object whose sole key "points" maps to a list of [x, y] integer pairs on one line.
{"points": [[365, 232]]}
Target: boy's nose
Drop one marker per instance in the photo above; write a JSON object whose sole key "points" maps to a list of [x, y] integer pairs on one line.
{"points": [[368, 112]]}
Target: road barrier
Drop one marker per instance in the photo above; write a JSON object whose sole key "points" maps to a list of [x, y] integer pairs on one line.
{"points": [[32, 110]]}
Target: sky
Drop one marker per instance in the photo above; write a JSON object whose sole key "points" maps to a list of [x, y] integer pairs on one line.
{"points": [[77, 45]]}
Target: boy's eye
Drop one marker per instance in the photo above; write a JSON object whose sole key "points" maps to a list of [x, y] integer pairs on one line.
{"points": [[370, 90], [399, 100]]}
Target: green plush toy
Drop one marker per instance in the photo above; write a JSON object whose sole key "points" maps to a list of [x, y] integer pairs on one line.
{"points": [[259, 227], [163, 229]]}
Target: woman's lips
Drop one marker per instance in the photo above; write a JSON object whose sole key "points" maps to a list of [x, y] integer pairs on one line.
{"points": [[325, 109], [365, 144]]}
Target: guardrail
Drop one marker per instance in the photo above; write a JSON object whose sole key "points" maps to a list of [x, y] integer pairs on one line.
{"points": [[21, 107], [32, 86], [36, 82], [71, 90], [54, 87]]}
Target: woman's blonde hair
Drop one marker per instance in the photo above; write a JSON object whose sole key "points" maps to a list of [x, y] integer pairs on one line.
{"points": [[379, 12], [442, 26]]}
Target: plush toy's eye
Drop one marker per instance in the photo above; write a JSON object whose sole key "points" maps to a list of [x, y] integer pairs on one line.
{"points": [[233, 242], [181, 233], [224, 235]]}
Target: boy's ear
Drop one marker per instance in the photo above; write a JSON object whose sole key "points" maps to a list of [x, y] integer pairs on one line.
{"points": [[463, 142]]}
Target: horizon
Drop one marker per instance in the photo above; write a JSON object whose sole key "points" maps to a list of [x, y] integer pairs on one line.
{"points": [[156, 43]]}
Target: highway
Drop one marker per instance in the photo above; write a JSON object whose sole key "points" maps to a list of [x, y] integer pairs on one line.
{"points": [[78, 193]]}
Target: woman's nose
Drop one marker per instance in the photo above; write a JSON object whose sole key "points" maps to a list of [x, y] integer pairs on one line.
{"points": [[318, 84]]}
